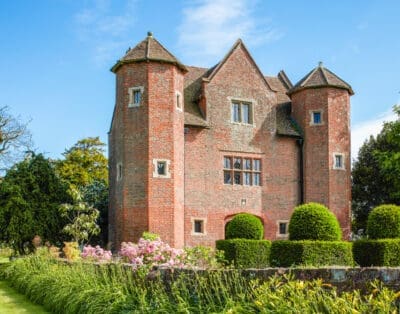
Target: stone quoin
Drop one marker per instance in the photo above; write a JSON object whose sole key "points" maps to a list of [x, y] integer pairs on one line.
{"points": [[191, 147]]}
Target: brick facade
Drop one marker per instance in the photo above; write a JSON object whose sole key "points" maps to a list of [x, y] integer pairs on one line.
{"points": [[192, 138]]}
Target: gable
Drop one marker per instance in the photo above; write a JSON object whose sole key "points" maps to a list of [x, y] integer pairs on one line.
{"points": [[238, 65]]}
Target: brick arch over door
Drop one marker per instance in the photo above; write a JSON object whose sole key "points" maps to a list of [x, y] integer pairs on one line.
{"points": [[228, 218]]}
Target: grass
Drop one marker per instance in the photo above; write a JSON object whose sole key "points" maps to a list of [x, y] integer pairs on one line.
{"points": [[11, 302]]}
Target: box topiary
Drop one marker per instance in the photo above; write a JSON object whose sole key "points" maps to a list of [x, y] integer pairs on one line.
{"points": [[245, 226], [383, 252], [384, 222], [246, 253], [286, 253], [314, 221]]}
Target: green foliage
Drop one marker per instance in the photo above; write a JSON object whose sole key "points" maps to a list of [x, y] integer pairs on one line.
{"points": [[30, 194], [84, 163], [384, 222], [286, 253], [314, 221], [383, 252], [81, 218], [89, 288], [245, 253], [150, 236], [203, 257], [375, 173], [245, 226]]}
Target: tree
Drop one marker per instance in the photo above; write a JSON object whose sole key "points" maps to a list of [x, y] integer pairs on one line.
{"points": [[15, 138], [375, 174], [81, 218], [84, 163], [30, 194]]}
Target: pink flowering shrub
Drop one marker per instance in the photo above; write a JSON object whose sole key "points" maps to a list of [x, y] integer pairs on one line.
{"points": [[96, 254], [151, 253]]}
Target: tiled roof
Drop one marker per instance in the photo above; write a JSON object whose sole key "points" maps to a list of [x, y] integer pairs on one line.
{"points": [[320, 77], [285, 124], [192, 90], [148, 50]]}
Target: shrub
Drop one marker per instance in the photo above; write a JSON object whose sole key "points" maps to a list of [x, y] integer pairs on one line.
{"points": [[245, 226], [71, 251], [286, 253], [314, 221], [96, 254], [384, 222], [384, 252], [246, 253], [203, 257]]}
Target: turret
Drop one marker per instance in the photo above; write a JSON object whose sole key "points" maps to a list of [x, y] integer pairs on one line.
{"points": [[146, 141], [321, 107]]}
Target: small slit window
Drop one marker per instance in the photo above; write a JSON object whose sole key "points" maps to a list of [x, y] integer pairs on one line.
{"points": [[178, 101], [283, 228], [119, 171], [316, 117], [161, 168], [135, 96], [198, 226], [338, 161]]}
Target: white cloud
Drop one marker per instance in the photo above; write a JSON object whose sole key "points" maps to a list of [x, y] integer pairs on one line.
{"points": [[210, 27], [105, 32], [362, 131]]}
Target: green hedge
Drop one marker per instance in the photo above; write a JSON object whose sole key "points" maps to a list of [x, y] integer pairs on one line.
{"points": [[245, 253], [245, 226], [384, 222], [286, 253], [384, 252], [313, 221]]}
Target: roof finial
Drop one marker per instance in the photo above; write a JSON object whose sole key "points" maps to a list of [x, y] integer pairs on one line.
{"points": [[320, 64], [149, 34]]}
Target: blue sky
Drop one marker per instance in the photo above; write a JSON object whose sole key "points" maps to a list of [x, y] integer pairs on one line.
{"points": [[55, 55]]}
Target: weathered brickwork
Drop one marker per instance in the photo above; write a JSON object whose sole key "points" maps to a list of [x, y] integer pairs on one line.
{"points": [[185, 120]]}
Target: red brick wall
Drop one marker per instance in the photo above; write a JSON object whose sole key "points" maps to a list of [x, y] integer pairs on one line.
{"points": [[206, 196], [322, 183]]}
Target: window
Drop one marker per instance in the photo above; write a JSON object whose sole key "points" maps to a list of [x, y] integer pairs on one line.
{"points": [[338, 162], [178, 101], [161, 168], [119, 171], [242, 171], [198, 226], [135, 96], [241, 112], [282, 228], [316, 117]]}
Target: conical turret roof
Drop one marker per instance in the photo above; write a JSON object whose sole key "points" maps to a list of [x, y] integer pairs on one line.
{"points": [[149, 49], [320, 77]]}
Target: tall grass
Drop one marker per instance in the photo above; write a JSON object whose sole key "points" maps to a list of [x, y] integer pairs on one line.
{"points": [[89, 288]]}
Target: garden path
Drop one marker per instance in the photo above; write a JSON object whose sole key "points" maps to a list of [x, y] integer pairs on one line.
{"points": [[12, 302]]}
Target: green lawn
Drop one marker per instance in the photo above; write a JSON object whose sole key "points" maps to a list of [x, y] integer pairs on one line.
{"points": [[11, 302]]}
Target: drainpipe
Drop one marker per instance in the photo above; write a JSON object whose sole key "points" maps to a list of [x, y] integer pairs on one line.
{"points": [[300, 142]]}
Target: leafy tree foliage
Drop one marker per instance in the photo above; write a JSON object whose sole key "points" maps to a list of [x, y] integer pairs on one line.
{"points": [[15, 138], [376, 173], [81, 218], [84, 163], [30, 194]]}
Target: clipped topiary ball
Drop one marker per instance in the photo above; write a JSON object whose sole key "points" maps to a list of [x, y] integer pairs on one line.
{"points": [[314, 221], [245, 226], [384, 222]]}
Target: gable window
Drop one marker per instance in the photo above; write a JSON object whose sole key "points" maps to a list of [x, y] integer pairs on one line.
{"points": [[338, 162], [135, 96], [161, 168], [242, 171], [241, 112], [316, 117]]}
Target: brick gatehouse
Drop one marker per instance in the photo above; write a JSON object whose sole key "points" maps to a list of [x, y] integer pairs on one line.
{"points": [[191, 147]]}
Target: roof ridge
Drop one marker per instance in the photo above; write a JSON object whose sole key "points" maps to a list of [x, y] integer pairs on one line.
{"points": [[308, 77], [323, 74]]}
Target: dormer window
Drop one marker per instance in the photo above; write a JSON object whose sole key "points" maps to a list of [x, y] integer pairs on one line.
{"points": [[135, 96]]}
